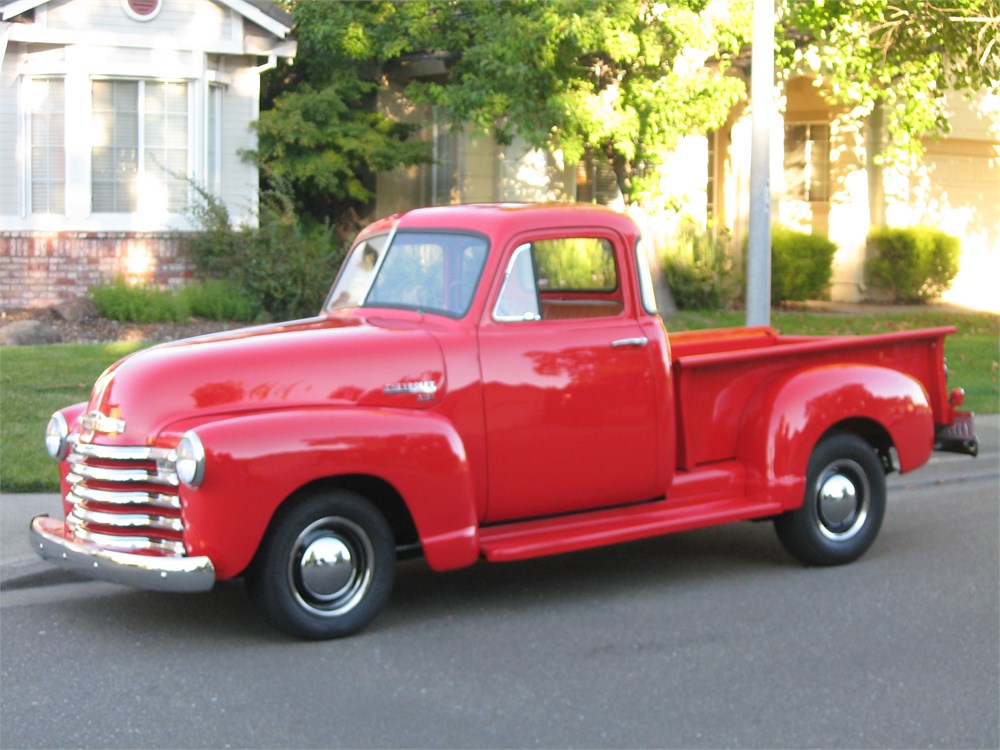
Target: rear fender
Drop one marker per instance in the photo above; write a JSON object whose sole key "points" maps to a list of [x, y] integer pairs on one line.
{"points": [[787, 416], [255, 462]]}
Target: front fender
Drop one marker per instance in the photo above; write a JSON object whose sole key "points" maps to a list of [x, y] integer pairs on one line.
{"points": [[254, 462], [787, 416]]}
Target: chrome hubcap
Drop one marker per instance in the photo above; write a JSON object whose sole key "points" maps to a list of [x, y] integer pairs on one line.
{"points": [[326, 567], [330, 568], [842, 498]]}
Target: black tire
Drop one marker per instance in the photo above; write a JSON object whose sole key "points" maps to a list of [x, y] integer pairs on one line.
{"points": [[843, 507], [326, 566]]}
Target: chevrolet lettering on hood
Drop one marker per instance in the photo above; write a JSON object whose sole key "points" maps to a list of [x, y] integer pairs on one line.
{"points": [[424, 389]]}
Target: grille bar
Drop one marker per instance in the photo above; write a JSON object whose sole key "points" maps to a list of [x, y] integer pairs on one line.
{"points": [[138, 521], [121, 452], [125, 498], [134, 476], [114, 497]]}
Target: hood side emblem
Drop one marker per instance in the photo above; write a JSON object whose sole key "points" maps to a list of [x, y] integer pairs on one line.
{"points": [[425, 390]]}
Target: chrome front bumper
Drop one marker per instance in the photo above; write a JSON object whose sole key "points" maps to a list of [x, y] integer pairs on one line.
{"points": [[51, 541]]}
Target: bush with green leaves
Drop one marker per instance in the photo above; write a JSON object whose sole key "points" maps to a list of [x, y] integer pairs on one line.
{"points": [[801, 265], [283, 267], [143, 303], [217, 299], [698, 268], [912, 264], [140, 303]]}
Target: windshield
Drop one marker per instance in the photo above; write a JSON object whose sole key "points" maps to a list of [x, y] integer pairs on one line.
{"points": [[426, 271]]}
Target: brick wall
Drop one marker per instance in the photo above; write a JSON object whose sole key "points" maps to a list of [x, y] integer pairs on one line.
{"points": [[39, 269]]}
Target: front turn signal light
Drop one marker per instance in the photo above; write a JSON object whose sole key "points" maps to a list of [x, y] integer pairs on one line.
{"points": [[57, 437], [190, 464]]}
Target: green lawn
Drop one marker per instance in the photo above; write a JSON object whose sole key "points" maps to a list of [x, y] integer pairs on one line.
{"points": [[37, 380], [34, 382]]}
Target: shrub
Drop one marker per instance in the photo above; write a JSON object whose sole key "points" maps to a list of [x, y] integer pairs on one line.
{"points": [[216, 299], [801, 265], [699, 270], [286, 265], [283, 267], [139, 304], [913, 264]]}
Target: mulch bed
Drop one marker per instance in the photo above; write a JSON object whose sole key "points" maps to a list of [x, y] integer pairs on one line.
{"points": [[102, 330]]}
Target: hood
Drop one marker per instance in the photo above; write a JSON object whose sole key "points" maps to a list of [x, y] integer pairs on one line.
{"points": [[319, 362]]}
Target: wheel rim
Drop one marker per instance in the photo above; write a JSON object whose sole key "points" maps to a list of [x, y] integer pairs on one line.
{"points": [[842, 500], [331, 565]]}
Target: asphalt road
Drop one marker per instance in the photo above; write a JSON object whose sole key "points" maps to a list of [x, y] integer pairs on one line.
{"points": [[713, 638]]}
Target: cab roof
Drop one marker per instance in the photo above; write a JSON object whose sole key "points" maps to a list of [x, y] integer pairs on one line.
{"points": [[495, 219]]}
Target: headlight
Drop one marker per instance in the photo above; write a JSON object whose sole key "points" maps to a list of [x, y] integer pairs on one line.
{"points": [[56, 434], [190, 464]]}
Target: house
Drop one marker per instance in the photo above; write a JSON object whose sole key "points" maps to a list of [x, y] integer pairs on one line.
{"points": [[110, 112], [823, 180]]}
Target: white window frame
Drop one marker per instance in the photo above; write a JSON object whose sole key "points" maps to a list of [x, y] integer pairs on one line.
{"points": [[809, 162], [442, 179]]}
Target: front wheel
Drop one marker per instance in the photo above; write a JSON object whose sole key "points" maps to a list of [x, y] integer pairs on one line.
{"points": [[843, 507], [326, 566]]}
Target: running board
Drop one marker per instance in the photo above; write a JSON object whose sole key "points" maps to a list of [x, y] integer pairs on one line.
{"points": [[551, 536]]}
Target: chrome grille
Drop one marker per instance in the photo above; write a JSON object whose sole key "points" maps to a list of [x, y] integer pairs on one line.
{"points": [[125, 498]]}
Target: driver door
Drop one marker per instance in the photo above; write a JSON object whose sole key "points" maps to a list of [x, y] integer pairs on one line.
{"points": [[568, 384]]}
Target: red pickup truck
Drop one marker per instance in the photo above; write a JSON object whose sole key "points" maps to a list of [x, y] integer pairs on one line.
{"points": [[483, 382]]}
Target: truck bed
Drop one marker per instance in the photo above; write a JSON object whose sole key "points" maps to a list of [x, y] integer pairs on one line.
{"points": [[717, 371]]}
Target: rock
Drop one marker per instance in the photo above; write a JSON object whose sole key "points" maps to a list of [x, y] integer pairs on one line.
{"points": [[27, 333], [75, 310]]}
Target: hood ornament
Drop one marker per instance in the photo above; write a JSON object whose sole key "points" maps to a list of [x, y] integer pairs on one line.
{"points": [[95, 421]]}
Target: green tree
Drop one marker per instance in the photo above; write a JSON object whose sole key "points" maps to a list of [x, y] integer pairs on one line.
{"points": [[622, 79], [896, 59], [320, 131]]}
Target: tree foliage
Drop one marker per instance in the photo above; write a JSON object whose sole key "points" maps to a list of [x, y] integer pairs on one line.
{"points": [[320, 132], [623, 80], [900, 56]]}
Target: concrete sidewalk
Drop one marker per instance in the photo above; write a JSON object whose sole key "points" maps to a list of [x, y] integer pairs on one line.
{"points": [[17, 559]]}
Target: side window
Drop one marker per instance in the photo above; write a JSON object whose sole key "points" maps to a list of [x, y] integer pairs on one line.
{"points": [[519, 295], [560, 279], [577, 264]]}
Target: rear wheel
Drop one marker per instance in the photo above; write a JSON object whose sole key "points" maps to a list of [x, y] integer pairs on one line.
{"points": [[326, 566], [843, 507]]}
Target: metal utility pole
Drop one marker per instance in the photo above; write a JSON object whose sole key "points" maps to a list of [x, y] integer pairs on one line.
{"points": [[762, 104]]}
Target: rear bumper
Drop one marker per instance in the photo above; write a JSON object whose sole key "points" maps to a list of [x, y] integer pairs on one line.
{"points": [[51, 542], [959, 436]]}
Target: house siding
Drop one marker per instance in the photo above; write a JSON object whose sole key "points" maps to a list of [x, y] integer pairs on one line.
{"points": [[240, 179], [956, 188], [192, 24]]}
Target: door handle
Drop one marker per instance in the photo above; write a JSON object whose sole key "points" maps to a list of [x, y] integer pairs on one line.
{"points": [[637, 342]]}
